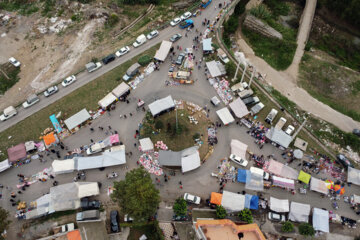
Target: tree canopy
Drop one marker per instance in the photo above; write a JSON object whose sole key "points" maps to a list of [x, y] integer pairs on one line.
{"points": [[306, 229], [220, 212], [246, 216], [4, 222], [180, 207], [137, 195]]}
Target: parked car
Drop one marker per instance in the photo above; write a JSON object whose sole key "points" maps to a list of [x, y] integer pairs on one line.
{"points": [[191, 198], [95, 148], [67, 227], [215, 101], [88, 215], [238, 160], [108, 59], [222, 55], [69, 80], [31, 100], [8, 113], [140, 40], [344, 161], [271, 116], [280, 124], [114, 221], [187, 23], [356, 132], [50, 91], [175, 22], [91, 66], [289, 130], [132, 71], [14, 62], [251, 100], [175, 37], [185, 15], [196, 12], [152, 34], [276, 217], [87, 205], [180, 59], [122, 51]]}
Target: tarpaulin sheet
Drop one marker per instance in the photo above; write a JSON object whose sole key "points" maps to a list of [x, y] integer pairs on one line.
{"points": [[233, 202], [320, 220], [239, 108], [17, 152], [255, 180], [251, 201], [283, 182], [55, 123], [279, 205], [241, 176], [216, 198], [299, 212], [304, 177]]}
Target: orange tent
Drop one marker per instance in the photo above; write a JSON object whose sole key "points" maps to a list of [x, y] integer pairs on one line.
{"points": [[49, 139], [216, 198], [74, 235]]}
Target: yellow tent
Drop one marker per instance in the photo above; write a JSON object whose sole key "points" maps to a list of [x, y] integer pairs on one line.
{"points": [[304, 177]]}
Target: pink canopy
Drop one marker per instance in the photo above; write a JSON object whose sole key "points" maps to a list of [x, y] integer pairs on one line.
{"points": [[275, 167], [114, 139], [279, 169], [17, 152]]}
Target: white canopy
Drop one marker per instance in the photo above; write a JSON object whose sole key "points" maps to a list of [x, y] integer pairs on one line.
{"points": [[279, 137], [146, 144], [356, 199], [207, 44], [63, 166], [161, 105], [353, 175], [255, 180], [107, 159], [88, 189], [120, 90], [233, 202], [4, 165], [215, 69], [239, 108], [299, 212], [190, 159], [238, 148], [107, 100], [318, 185], [77, 119], [225, 116], [163, 51], [320, 220], [279, 205], [29, 146]]}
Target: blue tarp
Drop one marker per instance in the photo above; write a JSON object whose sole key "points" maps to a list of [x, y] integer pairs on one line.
{"points": [[207, 44], [251, 201], [241, 176], [56, 123]]}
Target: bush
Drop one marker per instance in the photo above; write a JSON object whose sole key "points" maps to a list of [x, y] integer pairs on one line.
{"points": [[278, 7], [246, 216], [287, 227], [220, 212], [260, 12], [112, 20], [159, 124], [306, 229], [144, 60], [230, 68], [231, 25], [180, 207], [240, 7], [196, 136]]}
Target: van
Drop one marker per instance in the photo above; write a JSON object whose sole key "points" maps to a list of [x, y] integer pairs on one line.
{"points": [[140, 40], [251, 100], [222, 55], [88, 215], [8, 113], [108, 58], [271, 116], [280, 124], [91, 66], [31, 100], [257, 108], [95, 148], [215, 101], [132, 71], [246, 93]]}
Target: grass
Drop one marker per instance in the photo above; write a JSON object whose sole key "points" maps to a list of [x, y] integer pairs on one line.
{"points": [[12, 72], [151, 230], [331, 84], [84, 97], [56, 215]]}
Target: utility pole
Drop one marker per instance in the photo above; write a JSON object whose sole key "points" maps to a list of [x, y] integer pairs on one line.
{"points": [[252, 75], [242, 77], [236, 72]]}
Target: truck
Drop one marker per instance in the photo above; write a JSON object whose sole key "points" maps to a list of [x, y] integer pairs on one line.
{"points": [[271, 116], [257, 108], [132, 71], [31, 100], [205, 3], [280, 124], [95, 148], [140, 40], [246, 93], [91, 66], [88, 215], [239, 87], [222, 55], [180, 75], [8, 113], [186, 23]]}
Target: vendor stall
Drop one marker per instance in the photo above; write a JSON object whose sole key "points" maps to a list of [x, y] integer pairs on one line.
{"points": [[233, 202], [239, 108], [77, 119], [304, 177], [17, 153], [241, 176], [216, 198], [223, 90], [146, 145], [225, 116], [255, 180], [299, 212], [238, 148], [4, 165], [353, 176], [163, 51], [161, 106], [279, 205], [283, 182], [318, 185], [251, 201], [107, 101], [320, 220], [122, 90]]}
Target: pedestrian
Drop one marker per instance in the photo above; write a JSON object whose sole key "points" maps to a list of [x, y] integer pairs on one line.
{"points": [[134, 144], [124, 115], [130, 153], [91, 140], [130, 114], [19, 192], [101, 128], [180, 182], [91, 129], [127, 101], [181, 187], [109, 127], [137, 163]]}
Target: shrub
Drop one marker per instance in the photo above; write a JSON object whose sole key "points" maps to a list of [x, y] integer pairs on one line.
{"points": [[159, 124], [112, 20], [260, 12], [144, 60], [220, 212], [306, 229], [196, 136], [180, 207], [246, 216], [240, 7], [230, 68], [287, 227]]}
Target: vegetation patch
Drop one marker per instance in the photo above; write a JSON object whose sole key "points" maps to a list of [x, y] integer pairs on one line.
{"points": [[151, 231], [8, 77]]}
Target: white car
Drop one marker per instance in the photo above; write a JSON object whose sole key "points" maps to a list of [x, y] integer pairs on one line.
{"points": [[67, 227], [238, 160], [14, 62], [31, 100], [50, 91], [276, 217], [191, 198], [175, 22], [289, 130], [69, 80], [152, 34], [185, 15], [122, 51]]}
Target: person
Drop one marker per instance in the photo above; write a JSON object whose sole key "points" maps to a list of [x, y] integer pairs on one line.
{"points": [[130, 114], [91, 129], [134, 144], [91, 140], [101, 128], [109, 127]]}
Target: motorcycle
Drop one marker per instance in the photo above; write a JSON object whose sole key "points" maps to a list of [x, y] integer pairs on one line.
{"points": [[335, 205], [112, 175]]}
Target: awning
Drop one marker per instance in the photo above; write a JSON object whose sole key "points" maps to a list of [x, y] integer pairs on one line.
{"points": [[146, 144], [318, 185], [63, 166], [120, 90], [299, 212], [238, 148], [304, 177], [279, 137], [107, 100], [4, 165], [216, 198], [207, 44], [214, 69], [163, 51], [239, 108], [283, 182], [279, 169], [190, 159], [161, 105], [77, 119], [16, 153], [353, 175], [107, 159], [233, 202], [255, 180], [320, 220], [29, 146], [279, 205], [225, 116], [241, 176], [251, 201]]}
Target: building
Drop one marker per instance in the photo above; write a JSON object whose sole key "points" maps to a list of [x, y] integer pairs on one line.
{"points": [[227, 229]]}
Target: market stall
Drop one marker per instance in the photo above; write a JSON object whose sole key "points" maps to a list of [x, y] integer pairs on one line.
{"points": [[251, 201], [233, 202], [223, 90], [216, 69], [16, 153], [320, 220], [77, 119], [190, 159], [225, 116], [107, 101], [318, 185], [4, 165], [150, 164], [50, 139], [283, 182], [163, 51], [304, 177], [63, 166], [146, 145], [239, 108], [122, 90], [30, 146], [161, 105], [238, 148], [241, 176], [206, 45], [255, 180], [279, 205], [299, 212], [353, 176], [216, 198]]}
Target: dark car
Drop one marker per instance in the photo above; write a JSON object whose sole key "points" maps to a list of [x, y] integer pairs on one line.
{"points": [[344, 161], [175, 37], [180, 59], [87, 205], [356, 132], [114, 221], [108, 58], [180, 218]]}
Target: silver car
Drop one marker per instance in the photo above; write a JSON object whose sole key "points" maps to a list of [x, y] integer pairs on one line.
{"points": [[50, 91]]}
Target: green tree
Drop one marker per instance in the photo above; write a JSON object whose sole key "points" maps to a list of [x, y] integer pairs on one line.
{"points": [[180, 207], [220, 212], [230, 68], [137, 195], [144, 60], [159, 124], [196, 136], [4, 222], [246, 216], [306, 229], [112, 20], [287, 227]]}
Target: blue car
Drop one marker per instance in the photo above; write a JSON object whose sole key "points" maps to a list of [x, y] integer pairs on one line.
{"points": [[187, 23]]}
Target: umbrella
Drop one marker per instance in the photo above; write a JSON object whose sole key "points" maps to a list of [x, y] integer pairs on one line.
{"points": [[298, 154], [329, 184], [339, 189]]}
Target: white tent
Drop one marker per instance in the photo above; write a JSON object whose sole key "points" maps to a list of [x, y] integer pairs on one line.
{"points": [[107, 100], [320, 220], [77, 119], [238, 148], [63, 166], [318, 185], [207, 44], [233, 202], [163, 51], [190, 159], [146, 144], [239, 108], [120, 90], [279, 137], [225, 116], [299, 212], [29, 146], [88, 189], [107, 159], [161, 105], [214, 69], [255, 180], [353, 176], [279, 205], [4, 165]]}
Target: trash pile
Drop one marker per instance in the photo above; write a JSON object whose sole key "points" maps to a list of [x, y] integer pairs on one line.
{"points": [[223, 90], [212, 139], [150, 164], [137, 81], [161, 145]]}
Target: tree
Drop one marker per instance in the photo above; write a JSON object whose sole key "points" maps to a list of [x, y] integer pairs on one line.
{"points": [[137, 195], [306, 229], [4, 222], [159, 124], [230, 68], [112, 20], [246, 216], [144, 60], [220, 212], [180, 207], [287, 227]]}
